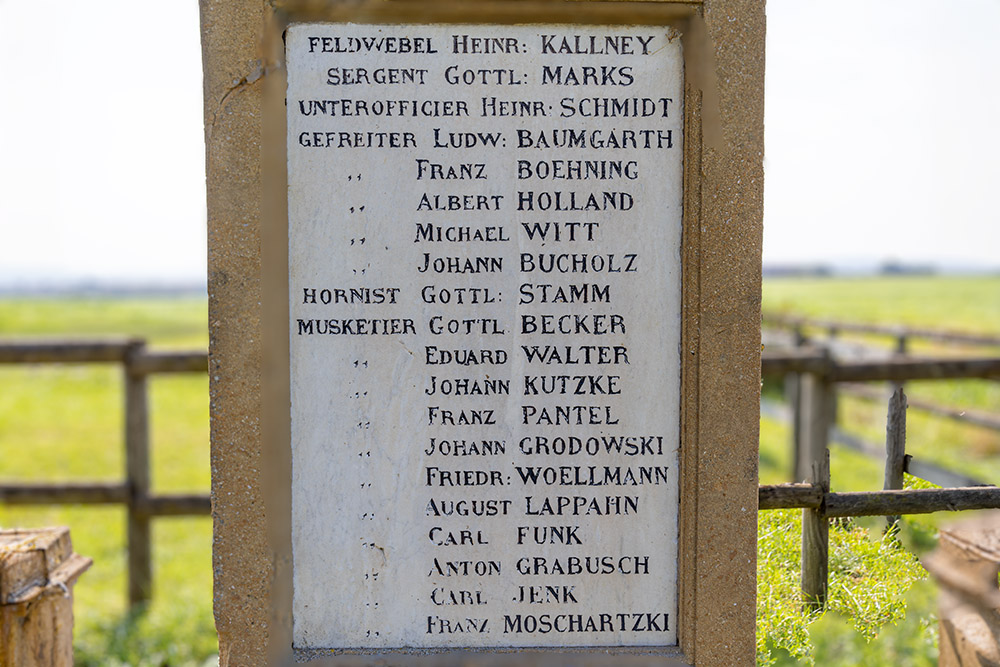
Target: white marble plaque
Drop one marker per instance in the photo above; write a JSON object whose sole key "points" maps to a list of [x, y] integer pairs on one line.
{"points": [[484, 282]]}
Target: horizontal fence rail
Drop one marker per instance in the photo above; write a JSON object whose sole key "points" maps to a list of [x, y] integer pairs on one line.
{"points": [[144, 362], [134, 491], [836, 326], [816, 361], [73, 494], [104, 494], [878, 503], [56, 352]]}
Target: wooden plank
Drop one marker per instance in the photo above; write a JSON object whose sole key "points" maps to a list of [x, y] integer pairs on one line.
{"points": [[22, 567], [895, 447], [140, 571], [63, 352], [68, 494], [171, 362], [811, 360], [875, 503], [787, 496], [916, 369], [912, 501], [66, 573], [797, 360], [105, 494], [37, 572], [34, 352], [177, 505]]}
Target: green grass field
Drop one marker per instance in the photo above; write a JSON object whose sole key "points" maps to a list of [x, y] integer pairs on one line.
{"points": [[65, 423], [968, 304]]}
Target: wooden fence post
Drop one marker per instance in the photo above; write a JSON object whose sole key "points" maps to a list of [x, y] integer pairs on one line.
{"points": [[901, 344], [140, 571], [895, 446], [38, 570], [832, 332], [816, 401], [902, 347], [793, 396], [812, 420]]}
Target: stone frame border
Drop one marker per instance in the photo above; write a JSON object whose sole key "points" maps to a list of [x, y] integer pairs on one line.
{"points": [[720, 340]]}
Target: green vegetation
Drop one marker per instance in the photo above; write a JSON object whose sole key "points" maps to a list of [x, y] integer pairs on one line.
{"points": [[62, 423], [868, 579], [882, 609], [167, 321]]}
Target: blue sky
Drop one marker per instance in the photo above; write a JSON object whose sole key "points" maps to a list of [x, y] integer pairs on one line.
{"points": [[882, 137]]}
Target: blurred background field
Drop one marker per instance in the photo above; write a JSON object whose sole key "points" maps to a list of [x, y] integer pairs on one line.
{"points": [[951, 302], [64, 423]]}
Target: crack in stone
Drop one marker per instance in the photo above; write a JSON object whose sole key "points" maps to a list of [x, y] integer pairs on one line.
{"points": [[258, 72]]}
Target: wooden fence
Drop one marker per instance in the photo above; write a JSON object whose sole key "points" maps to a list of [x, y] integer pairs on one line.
{"points": [[803, 332], [815, 373], [134, 491]]}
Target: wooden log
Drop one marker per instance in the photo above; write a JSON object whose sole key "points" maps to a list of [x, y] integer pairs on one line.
{"points": [[37, 572], [63, 352], [69, 494], [916, 369], [798, 360], [912, 501], [787, 496], [171, 362], [176, 505], [140, 571], [876, 503], [105, 494], [895, 448]]}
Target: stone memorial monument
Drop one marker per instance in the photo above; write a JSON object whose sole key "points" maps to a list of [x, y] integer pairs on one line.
{"points": [[484, 301]]}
